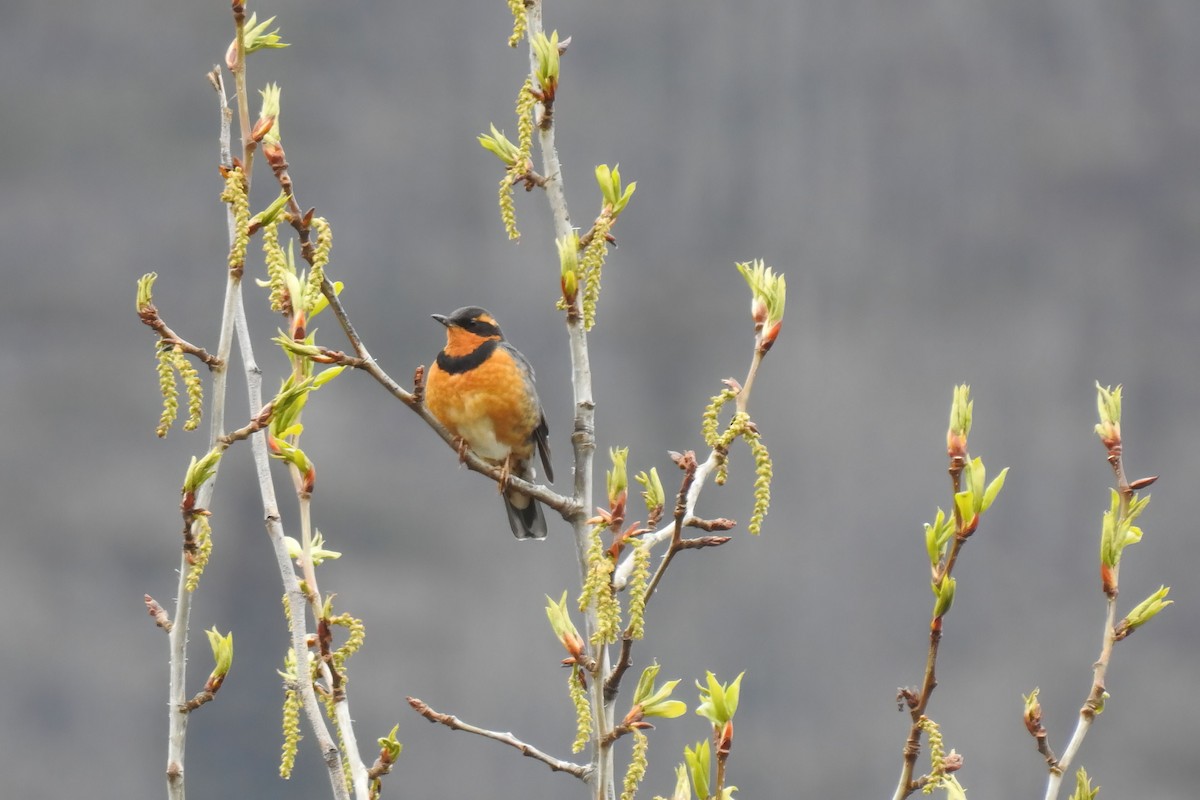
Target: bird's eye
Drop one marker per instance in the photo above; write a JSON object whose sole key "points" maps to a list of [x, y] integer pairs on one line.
{"points": [[481, 327]]}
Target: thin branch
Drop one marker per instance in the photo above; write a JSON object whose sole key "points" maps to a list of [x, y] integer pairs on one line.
{"points": [[688, 463], [291, 585], [149, 316], [177, 725], [1043, 747], [743, 397], [258, 445], [1091, 707], [665, 533], [1095, 698], [583, 437], [262, 420], [912, 745], [239, 79], [580, 771]]}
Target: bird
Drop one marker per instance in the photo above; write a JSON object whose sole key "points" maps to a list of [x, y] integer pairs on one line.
{"points": [[481, 389]]}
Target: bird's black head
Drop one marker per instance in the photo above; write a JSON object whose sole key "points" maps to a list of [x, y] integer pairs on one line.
{"points": [[473, 320]]}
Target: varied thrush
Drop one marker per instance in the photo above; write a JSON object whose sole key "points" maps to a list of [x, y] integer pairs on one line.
{"points": [[481, 388]]}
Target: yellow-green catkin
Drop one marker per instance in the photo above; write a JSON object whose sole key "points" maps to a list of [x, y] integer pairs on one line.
{"points": [[937, 753], [508, 209], [637, 765], [608, 610], [347, 776], [597, 591], [710, 422], [525, 103], [638, 580], [583, 709], [517, 7], [590, 266], [194, 388], [591, 585], [316, 275], [168, 389], [277, 268], [239, 203], [291, 732], [522, 163], [763, 471], [358, 633], [204, 545], [738, 426]]}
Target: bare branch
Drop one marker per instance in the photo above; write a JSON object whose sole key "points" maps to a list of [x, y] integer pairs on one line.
{"points": [[580, 771], [150, 317]]}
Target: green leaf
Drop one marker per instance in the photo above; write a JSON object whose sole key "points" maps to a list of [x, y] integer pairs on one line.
{"points": [[964, 502], [1146, 610], [976, 477], [222, 648], [933, 537], [718, 702], [698, 761], [326, 375], [945, 596], [323, 301], [683, 790], [645, 684], [661, 693], [667, 709], [391, 745], [733, 693], [993, 489]]}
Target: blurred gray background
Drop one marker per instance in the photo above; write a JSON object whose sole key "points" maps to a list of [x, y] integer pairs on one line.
{"points": [[999, 193]]}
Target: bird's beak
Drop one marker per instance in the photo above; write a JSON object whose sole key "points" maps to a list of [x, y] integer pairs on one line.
{"points": [[444, 320]]}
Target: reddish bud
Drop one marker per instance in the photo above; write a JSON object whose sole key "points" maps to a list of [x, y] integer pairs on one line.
{"points": [[261, 128], [1142, 483], [273, 151], [768, 338], [956, 444], [298, 328], [1033, 720], [1108, 578], [725, 740]]}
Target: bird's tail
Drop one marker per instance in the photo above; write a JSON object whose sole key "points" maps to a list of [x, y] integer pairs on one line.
{"points": [[524, 513]]}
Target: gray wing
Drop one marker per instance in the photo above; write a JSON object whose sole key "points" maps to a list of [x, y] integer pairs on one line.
{"points": [[542, 432]]}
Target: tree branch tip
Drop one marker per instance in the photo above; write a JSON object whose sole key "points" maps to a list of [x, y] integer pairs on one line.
{"points": [[703, 541], [161, 619], [710, 525]]}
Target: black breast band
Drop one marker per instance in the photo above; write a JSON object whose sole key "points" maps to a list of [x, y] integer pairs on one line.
{"points": [[455, 365]]}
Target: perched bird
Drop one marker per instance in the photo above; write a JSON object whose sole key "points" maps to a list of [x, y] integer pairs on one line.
{"points": [[481, 388]]}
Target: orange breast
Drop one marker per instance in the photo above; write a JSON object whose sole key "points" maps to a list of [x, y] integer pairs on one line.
{"points": [[488, 406]]}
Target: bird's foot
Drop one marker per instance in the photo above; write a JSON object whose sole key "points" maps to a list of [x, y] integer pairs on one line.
{"points": [[505, 474], [460, 444]]}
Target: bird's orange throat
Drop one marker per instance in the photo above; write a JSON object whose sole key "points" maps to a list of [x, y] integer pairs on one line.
{"points": [[461, 342]]}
